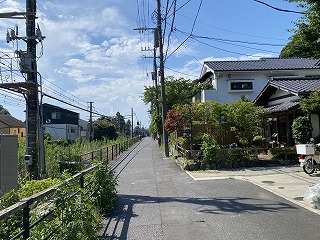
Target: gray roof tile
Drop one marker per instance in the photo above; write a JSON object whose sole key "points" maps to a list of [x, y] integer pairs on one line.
{"points": [[11, 121], [297, 85], [282, 107], [264, 64]]}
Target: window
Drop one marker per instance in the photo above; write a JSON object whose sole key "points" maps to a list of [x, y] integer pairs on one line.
{"points": [[241, 86], [56, 115], [72, 129]]}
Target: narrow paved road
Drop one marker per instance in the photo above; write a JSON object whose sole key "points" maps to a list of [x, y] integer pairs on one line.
{"points": [[157, 200]]}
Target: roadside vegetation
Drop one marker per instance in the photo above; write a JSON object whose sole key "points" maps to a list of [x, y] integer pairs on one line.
{"points": [[76, 212]]}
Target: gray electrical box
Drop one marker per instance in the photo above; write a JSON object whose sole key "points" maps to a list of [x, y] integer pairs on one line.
{"points": [[8, 163]]}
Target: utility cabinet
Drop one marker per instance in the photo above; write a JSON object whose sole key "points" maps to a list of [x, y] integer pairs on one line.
{"points": [[8, 163]]}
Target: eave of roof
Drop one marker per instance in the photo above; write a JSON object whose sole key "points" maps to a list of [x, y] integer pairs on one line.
{"points": [[204, 77], [10, 121], [283, 107], [264, 64], [298, 86]]}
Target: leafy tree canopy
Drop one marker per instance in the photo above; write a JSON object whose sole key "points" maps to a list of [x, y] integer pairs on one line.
{"points": [[178, 91], [245, 120], [311, 104], [4, 111], [103, 128], [307, 32]]}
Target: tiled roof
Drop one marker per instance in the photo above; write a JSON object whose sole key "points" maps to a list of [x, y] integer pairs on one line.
{"points": [[282, 107], [297, 85], [11, 121], [264, 64]]}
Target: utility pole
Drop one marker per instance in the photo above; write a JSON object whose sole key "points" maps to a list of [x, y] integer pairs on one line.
{"points": [[155, 78], [90, 123], [32, 94], [28, 66], [163, 91], [154, 74], [131, 122]]}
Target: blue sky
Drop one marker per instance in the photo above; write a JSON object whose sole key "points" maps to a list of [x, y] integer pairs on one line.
{"points": [[92, 54]]}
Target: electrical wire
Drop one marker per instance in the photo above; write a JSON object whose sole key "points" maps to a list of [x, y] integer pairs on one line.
{"points": [[279, 9], [193, 26], [230, 31], [186, 74], [224, 50]]}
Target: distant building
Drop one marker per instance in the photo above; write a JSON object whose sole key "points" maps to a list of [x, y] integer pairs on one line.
{"points": [[12, 126], [60, 123], [84, 130]]}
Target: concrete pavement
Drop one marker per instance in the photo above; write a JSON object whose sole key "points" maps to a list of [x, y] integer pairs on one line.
{"points": [[289, 182], [158, 200]]}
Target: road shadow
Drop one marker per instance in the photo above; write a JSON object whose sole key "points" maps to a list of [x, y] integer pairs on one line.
{"points": [[117, 223]]}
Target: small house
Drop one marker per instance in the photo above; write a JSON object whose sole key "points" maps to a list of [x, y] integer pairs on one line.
{"points": [[12, 126], [60, 123]]}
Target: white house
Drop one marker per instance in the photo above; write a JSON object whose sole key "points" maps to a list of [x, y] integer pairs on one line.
{"points": [[232, 80]]}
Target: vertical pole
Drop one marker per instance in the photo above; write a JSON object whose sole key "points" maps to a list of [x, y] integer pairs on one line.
{"points": [[163, 91], [156, 79], [131, 122], [112, 152], [32, 94], [26, 220], [90, 123], [81, 181]]}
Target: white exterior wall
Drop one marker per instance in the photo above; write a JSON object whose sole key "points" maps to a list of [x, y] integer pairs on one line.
{"points": [[84, 133], [281, 94], [221, 83], [62, 131], [315, 125]]}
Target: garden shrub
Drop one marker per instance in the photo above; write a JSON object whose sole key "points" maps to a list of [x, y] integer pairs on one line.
{"points": [[301, 130], [210, 148], [284, 153], [235, 156]]}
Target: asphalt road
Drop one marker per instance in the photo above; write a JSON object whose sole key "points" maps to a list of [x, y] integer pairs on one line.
{"points": [[157, 200]]}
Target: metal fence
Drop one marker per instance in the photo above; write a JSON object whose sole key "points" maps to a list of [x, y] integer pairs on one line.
{"points": [[107, 155]]}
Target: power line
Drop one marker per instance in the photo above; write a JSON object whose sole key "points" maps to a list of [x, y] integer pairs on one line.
{"points": [[189, 52], [193, 25], [72, 105], [229, 40], [278, 9], [230, 31], [186, 74], [221, 49]]}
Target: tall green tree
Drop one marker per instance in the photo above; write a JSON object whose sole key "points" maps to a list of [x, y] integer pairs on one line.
{"points": [[178, 91], [119, 123], [103, 128], [246, 120], [304, 42]]}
